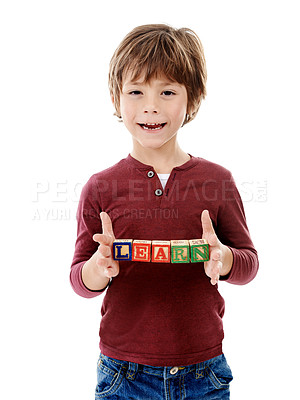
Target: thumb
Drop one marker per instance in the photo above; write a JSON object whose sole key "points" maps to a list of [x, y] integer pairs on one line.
{"points": [[107, 228], [208, 229]]}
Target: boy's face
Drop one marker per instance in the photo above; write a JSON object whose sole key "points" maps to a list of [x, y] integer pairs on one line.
{"points": [[154, 111]]}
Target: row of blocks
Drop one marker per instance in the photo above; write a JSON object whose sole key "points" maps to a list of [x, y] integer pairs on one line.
{"points": [[175, 251]]}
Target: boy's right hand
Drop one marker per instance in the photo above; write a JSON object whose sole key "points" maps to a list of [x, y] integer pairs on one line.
{"points": [[104, 261]]}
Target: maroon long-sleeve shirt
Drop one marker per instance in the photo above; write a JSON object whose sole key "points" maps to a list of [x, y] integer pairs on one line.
{"points": [[163, 314]]}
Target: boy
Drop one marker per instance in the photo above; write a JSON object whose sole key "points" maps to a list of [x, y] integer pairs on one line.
{"points": [[161, 329]]}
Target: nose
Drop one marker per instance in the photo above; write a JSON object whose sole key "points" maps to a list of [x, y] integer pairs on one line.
{"points": [[150, 111], [151, 105]]}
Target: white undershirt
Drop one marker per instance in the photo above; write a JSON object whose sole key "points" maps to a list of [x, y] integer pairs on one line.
{"points": [[163, 179]]}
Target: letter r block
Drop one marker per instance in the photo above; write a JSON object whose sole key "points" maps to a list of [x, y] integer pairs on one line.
{"points": [[180, 251], [141, 250], [122, 249], [161, 251], [199, 250]]}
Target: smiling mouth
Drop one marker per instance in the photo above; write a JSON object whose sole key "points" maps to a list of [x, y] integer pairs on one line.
{"points": [[152, 127]]}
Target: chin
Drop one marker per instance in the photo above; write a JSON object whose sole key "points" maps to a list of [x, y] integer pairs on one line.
{"points": [[152, 144]]}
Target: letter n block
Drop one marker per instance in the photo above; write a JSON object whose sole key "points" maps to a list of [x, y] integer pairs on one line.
{"points": [[199, 250], [161, 251], [141, 250], [180, 251], [122, 249]]}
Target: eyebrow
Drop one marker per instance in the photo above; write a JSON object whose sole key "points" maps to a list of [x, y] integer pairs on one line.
{"points": [[161, 83]]}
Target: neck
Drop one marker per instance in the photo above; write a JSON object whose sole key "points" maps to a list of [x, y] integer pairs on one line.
{"points": [[163, 159]]}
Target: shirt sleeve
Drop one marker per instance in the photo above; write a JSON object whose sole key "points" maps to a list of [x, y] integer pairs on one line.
{"points": [[232, 230], [88, 223]]}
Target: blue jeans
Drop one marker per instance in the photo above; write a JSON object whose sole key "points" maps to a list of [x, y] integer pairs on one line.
{"points": [[122, 380]]}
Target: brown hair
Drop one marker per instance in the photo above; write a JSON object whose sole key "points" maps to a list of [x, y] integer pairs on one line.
{"points": [[160, 49]]}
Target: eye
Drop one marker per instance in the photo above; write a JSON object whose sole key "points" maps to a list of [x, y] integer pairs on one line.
{"points": [[168, 93], [135, 92]]}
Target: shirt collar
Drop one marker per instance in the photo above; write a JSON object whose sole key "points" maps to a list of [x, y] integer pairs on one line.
{"points": [[134, 163]]}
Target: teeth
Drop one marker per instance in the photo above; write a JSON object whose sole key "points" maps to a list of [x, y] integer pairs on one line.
{"points": [[149, 126], [152, 129]]}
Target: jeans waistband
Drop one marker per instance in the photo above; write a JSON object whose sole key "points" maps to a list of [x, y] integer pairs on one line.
{"points": [[164, 372]]}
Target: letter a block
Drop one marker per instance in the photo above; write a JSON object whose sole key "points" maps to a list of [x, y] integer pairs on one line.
{"points": [[141, 250], [122, 249], [180, 251], [161, 251], [199, 250]]}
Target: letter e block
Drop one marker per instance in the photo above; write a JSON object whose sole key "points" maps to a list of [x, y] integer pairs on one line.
{"points": [[180, 251], [199, 250], [122, 249], [161, 251], [141, 250]]}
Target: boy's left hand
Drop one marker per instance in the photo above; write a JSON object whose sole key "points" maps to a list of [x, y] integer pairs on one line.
{"points": [[220, 261]]}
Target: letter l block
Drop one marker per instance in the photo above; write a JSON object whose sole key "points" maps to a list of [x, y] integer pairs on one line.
{"points": [[122, 249]]}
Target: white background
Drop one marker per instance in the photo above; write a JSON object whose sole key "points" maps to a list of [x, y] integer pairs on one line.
{"points": [[57, 129]]}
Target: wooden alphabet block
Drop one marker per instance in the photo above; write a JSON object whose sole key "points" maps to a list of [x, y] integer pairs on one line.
{"points": [[122, 249], [199, 250], [161, 251], [180, 251], [141, 250]]}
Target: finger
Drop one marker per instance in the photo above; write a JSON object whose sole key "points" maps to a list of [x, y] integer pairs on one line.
{"points": [[208, 229], [212, 270], [110, 268], [214, 280], [103, 239], [104, 258], [111, 272], [207, 225], [104, 251], [215, 255], [107, 228]]}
